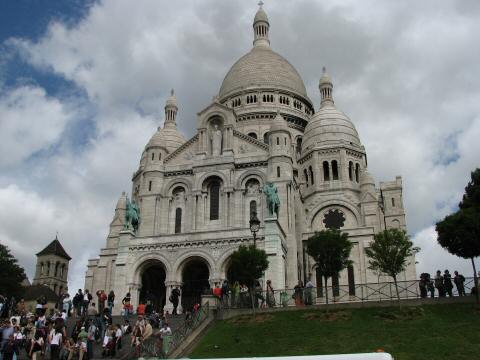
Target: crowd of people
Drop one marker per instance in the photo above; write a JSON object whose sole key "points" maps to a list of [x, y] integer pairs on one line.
{"points": [[44, 334], [442, 283]]}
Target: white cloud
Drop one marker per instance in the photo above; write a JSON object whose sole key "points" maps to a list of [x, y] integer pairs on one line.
{"points": [[30, 121], [406, 79]]}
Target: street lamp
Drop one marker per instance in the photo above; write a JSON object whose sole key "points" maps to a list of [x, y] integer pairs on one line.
{"points": [[254, 227]]}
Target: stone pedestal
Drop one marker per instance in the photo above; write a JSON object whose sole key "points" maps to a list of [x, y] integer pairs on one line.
{"points": [[276, 249]]}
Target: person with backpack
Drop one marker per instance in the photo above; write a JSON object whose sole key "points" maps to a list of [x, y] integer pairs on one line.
{"points": [[459, 281]]}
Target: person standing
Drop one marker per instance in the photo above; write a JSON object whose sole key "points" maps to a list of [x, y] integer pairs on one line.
{"points": [[235, 294], [166, 334], [225, 292], [174, 297], [422, 284], [78, 303], [447, 281], [430, 285], [90, 339], [55, 339], [87, 297], [270, 294], [126, 306], [439, 284], [309, 292], [459, 281], [111, 301], [298, 293]]}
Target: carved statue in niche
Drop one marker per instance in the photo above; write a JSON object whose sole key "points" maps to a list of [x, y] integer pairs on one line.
{"points": [[216, 138], [253, 187]]}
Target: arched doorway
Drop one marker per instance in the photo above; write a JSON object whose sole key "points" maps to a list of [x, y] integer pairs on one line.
{"points": [[153, 286], [195, 277]]}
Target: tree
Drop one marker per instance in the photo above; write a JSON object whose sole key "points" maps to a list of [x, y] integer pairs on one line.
{"points": [[12, 274], [247, 264], [459, 233], [330, 249], [389, 253]]}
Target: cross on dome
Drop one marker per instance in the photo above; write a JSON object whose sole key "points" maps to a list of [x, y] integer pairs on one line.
{"points": [[260, 3], [261, 27]]}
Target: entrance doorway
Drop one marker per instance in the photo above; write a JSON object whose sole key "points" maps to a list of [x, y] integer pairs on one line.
{"points": [[153, 286], [195, 277]]}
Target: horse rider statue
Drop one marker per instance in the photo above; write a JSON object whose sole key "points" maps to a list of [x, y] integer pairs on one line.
{"points": [[273, 201], [132, 216]]}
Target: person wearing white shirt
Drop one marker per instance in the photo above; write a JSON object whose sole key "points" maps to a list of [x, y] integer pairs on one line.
{"points": [[55, 340]]}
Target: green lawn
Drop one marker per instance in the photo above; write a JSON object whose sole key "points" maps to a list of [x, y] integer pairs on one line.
{"points": [[433, 332]]}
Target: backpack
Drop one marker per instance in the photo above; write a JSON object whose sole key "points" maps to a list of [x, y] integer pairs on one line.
{"points": [[89, 297]]}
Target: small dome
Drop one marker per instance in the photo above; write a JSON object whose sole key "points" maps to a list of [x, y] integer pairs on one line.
{"points": [[262, 68], [366, 178], [261, 15], [329, 126], [278, 123], [168, 138]]}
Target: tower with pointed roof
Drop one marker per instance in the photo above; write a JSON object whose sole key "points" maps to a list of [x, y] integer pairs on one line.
{"points": [[52, 267], [196, 195]]}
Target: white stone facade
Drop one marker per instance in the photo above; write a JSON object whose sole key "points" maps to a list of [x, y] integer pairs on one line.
{"points": [[269, 132]]}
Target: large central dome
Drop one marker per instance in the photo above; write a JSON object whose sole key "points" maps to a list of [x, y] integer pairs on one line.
{"points": [[262, 67]]}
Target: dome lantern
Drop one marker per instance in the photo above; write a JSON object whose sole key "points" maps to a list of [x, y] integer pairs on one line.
{"points": [[261, 26], [326, 88], [171, 110]]}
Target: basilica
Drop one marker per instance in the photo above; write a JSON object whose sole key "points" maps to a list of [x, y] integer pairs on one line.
{"points": [[195, 197]]}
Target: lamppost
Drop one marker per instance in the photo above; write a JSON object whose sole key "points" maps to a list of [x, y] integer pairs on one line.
{"points": [[383, 208], [254, 227]]}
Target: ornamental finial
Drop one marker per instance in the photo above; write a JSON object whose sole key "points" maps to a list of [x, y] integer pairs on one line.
{"points": [[172, 92], [260, 3]]}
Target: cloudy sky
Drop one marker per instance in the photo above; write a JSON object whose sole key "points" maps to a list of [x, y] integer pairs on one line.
{"points": [[83, 84]]}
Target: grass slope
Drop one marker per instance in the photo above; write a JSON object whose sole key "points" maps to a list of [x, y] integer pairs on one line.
{"points": [[434, 332]]}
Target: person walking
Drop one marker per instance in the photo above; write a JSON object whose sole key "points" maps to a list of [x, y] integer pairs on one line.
{"points": [[298, 293], [447, 281], [459, 281], [439, 284]]}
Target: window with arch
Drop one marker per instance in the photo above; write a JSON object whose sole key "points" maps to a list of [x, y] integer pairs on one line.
{"points": [[350, 171], [62, 270], [150, 186], [56, 269], [357, 172], [252, 135], [334, 170], [278, 140], [311, 175], [253, 208], [48, 268], [42, 268], [159, 156], [178, 220], [326, 171], [214, 190], [351, 280], [305, 174], [299, 145], [265, 138], [153, 156], [278, 171]]}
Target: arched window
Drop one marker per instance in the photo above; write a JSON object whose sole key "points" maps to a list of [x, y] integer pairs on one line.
{"points": [[350, 171], [178, 220], [299, 145], [335, 286], [252, 135], [326, 171], [48, 268], [351, 281], [311, 175], [278, 140], [153, 156], [393, 202], [41, 268], [357, 172], [56, 269], [253, 208], [278, 171], [264, 98], [334, 170], [214, 200], [159, 156], [265, 138], [305, 173], [149, 186]]}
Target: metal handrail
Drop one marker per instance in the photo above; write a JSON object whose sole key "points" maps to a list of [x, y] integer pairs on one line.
{"points": [[382, 291]]}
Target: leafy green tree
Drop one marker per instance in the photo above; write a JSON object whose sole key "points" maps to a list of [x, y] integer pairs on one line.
{"points": [[12, 274], [389, 253], [459, 232], [330, 249], [247, 264]]}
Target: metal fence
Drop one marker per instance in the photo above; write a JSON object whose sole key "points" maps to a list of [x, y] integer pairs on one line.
{"points": [[384, 291], [151, 346]]}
